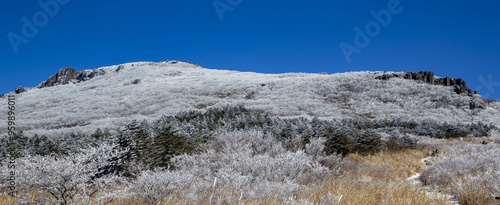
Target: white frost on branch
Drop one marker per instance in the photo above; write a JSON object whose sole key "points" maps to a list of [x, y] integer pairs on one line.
{"points": [[72, 179]]}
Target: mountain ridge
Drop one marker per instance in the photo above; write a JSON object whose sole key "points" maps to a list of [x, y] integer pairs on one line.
{"points": [[110, 97], [71, 75]]}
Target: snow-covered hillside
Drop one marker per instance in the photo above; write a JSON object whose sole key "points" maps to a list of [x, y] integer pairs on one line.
{"points": [[148, 90]]}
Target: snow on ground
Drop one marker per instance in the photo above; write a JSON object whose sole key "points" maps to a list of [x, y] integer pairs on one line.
{"points": [[414, 178], [113, 100]]}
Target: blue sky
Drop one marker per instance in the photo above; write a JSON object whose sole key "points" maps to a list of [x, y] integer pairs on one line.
{"points": [[452, 38]]}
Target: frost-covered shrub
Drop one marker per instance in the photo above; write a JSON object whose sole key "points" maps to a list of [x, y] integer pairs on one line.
{"points": [[428, 143], [156, 186], [495, 136], [252, 154], [474, 190], [464, 165], [316, 146], [72, 179], [21, 145], [247, 165], [152, 144], [492, 182]]}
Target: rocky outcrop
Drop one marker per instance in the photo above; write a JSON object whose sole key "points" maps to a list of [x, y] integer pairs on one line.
{"points": [[20, 89], [64, 76], [120, 67], [89, 74], [477, 103], [459, 85], [67, 76], [425, 76], [70, 75]]}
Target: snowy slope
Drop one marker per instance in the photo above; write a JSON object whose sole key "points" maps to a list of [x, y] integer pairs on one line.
{"points": [[147, 90]]}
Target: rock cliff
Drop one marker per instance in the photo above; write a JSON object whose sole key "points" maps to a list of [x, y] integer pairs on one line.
{"points": [[70, 75], [459, 85]]}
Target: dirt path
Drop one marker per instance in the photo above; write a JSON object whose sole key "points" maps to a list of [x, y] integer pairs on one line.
{"points": [[431, 191]]}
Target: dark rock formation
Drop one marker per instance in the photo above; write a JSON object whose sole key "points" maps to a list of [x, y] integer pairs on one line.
{"points": [[459, 85], [70, 75], [64, 76], [119, 68], [87, 74], [425, 76], [20, 89], [477, 103]]}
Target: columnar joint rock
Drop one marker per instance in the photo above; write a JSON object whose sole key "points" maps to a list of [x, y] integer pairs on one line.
{"points": [[459, 85]]}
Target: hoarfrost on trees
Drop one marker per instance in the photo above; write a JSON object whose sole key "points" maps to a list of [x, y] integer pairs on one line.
{"points": [[71, 179]]}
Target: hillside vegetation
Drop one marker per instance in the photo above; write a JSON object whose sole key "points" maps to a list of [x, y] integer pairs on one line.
{"points": [[176, 133], [146, 91]]}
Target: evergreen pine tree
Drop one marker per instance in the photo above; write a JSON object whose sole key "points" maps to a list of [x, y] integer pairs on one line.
{"points": [[368, 142]]}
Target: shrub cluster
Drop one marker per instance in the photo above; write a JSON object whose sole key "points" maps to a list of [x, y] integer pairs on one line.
{"points": [[72, 179], [233, 167], [468, 171], [248, 166], [153, 144]]}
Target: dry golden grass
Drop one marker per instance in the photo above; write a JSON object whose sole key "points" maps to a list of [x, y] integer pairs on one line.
{"points": [[386, 165], [476, 195], [7, 200], [356, 190], [402, 163], [31, 194], [379, 179]]}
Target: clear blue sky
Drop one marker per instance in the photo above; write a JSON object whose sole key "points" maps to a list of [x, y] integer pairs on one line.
{"points": [[452, 38]]}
